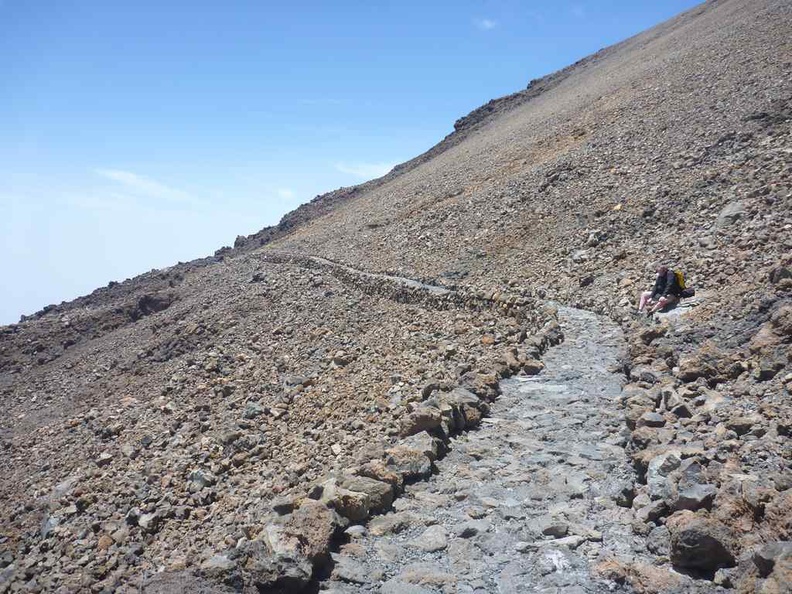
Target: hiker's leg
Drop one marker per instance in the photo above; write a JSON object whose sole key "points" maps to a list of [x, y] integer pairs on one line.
{"points": [[665, 301], [646, 298], [658, 306]]}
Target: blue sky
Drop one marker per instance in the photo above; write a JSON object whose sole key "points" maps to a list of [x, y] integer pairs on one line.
{"points": [[139, 134]]}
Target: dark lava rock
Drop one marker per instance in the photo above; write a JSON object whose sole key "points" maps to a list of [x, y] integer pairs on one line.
{"points": [[700, 543]]}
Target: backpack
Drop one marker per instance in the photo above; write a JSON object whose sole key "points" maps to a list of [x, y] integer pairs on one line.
{"points": [[680, 276], [685, 291]]}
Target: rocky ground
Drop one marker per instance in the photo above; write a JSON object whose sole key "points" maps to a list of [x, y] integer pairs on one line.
{"points": [[125, 460], [230, 423]]}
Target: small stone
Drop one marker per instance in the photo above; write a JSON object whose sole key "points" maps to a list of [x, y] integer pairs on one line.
{"points": [[780, 273], [652, 511], [254, 410], [121, 535], [149, 522], [350, 570], [623, 493], [731, 213], [433, 539], [532, 367], [341, 358], [356, 531], [133, 516], [471, 529], [572, 542], [657, 474], [218, 564], [129, 450], [104, 459], [659, 541], [651, 419], [722, 578], [394, 586], [742, 425], [556, 529], [391, 523], [695, 496], [200, 479], [284, 505]]}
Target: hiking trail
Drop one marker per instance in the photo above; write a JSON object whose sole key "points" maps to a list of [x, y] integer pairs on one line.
{"points": [[523, 504]]}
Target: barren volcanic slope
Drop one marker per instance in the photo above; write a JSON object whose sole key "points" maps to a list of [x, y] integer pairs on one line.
{"points": [[223, 421]]}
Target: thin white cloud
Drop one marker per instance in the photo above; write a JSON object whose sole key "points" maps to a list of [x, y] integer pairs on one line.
{"points": [[323, 101], [365, 170], [285, 193], [486, 24], [146, 186]]}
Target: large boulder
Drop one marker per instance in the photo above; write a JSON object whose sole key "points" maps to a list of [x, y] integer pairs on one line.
{"points": [[704, 363], [484, 385], [412, 458], [380, 493], [423, 418], [315, 526], [460, 407], [780, 274], [353, 505], [744, 423], [423, 443], [700, 543], [693, 367], [278, 574], [380, 471]]}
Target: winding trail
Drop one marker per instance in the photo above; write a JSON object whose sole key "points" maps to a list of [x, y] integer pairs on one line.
{"points": [[523, 504]]}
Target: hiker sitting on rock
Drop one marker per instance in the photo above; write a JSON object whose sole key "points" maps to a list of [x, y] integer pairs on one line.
{"points": [[665, 293]]}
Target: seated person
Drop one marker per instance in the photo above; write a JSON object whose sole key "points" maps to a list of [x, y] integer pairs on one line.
{"points": [[665, 293]]}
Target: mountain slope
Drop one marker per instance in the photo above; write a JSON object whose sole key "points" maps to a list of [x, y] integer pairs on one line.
{"points": [[155, 423]]}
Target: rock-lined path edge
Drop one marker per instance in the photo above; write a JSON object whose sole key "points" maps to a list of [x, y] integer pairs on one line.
{"points": [[530, 502]]}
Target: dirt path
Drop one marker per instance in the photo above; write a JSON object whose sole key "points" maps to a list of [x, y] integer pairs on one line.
{"points": [[524, 504]]}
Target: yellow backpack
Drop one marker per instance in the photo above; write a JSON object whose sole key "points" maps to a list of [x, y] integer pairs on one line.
{"points": [[680, 276]]}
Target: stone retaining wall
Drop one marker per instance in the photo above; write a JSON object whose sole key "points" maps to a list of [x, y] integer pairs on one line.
{"points": [[525, 309]]}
